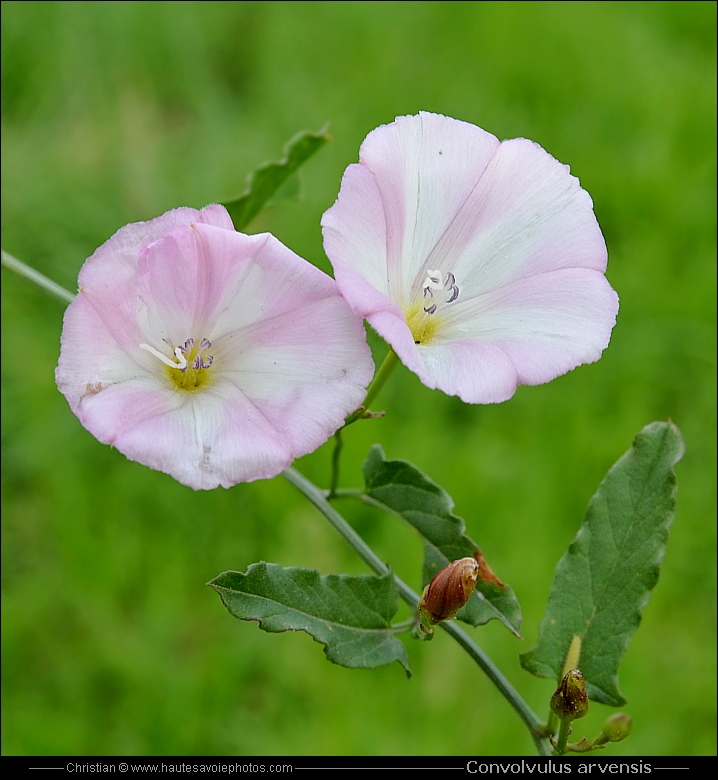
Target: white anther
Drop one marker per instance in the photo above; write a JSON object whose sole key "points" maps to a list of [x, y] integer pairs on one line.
{"points": [[433, 280], [182, 360]]}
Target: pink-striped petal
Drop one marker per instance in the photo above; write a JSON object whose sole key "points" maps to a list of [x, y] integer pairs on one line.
{"points": [[208, 354]]}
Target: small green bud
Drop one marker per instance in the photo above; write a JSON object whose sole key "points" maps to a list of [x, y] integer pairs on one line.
{"points": [[617, 727], [570, 700], [448, 592]]}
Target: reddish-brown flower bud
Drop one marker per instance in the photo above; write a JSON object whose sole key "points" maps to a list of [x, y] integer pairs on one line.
{"points": [[447, 593], [570, 700]]}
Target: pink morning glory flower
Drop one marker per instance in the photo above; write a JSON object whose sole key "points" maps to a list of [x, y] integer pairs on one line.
{"points": [[480, 262], [211, 355]]}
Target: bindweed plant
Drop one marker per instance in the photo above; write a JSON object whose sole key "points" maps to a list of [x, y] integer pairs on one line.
{"points": [[220, 357]]}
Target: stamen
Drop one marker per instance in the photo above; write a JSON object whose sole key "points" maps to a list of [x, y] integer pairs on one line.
{"points": [[201, 360], [182, 360], [433, 283], [451, 285]]}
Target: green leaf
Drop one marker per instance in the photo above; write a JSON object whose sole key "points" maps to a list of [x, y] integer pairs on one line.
{"points": [[604, 580], [348, 615], [400, 487], [270, 180]]}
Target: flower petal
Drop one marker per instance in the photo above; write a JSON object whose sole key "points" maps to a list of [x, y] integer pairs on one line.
{"points": [[290, 365], [204, 440], [190, 276], [115, 261], [550, 322], [108, 279], [421, 178], [528, 332], [505, 223], [526, 216], [301, 343], [92, 358]]}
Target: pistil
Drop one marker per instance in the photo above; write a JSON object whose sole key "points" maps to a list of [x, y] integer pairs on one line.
{"points": [[189, 370], [181, 360]]}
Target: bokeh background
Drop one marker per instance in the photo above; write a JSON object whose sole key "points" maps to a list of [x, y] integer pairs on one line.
{"points": [[114, 112]]}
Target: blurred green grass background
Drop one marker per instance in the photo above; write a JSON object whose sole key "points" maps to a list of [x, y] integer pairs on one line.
{"points": [[114, 112]]}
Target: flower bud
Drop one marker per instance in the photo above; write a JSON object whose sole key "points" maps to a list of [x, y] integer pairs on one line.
{"points": [[570, 700], [617, 727], [450, 589]]}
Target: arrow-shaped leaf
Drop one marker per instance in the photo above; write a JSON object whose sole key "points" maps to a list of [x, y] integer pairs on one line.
{"points": [[605, 578], [350, 616], [400, 487], [266, 181]]}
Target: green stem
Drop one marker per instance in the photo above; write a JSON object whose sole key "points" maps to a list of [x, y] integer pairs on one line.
{"points": [[380, 377], [35, 276], [552, 722], [564, 729], [527, 715], [318, 498], [334, 481], [376, 384], [404, 627]]}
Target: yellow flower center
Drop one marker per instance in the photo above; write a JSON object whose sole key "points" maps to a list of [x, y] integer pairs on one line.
{"points": [[423, 326], [190, 369], [421, 316]]}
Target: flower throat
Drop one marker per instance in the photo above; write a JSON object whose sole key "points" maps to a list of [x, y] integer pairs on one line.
{"points": [[421, 317], [189, 371]]}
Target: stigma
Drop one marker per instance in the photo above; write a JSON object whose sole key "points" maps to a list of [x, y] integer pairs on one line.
{"points": [[179, 355]]}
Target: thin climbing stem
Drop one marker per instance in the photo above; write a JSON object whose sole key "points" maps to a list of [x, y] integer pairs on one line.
{"points": [[380, 377], [338, 443], [35, 276], [318, 498], [376, 385]]}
